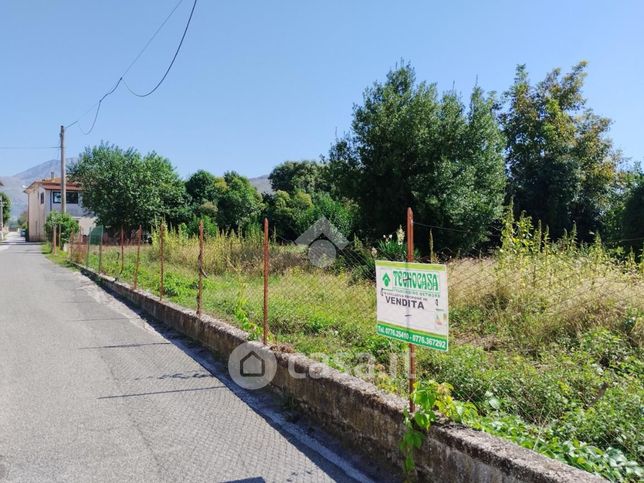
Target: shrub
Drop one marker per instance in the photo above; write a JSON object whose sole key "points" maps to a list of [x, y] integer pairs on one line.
{"points": [[66, 226]]}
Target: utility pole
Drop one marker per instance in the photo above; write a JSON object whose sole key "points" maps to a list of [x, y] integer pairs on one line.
{"points": [[63, 173]]}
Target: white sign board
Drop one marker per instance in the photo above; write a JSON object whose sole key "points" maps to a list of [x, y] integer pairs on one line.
{"points": [[412, 303]]}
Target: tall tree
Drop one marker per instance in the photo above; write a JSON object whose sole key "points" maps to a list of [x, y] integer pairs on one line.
{"points": [[124, 188], [6, 210], [297, 175], [239, 203], [201, 188], [560, 160], [284, 211], [633, 217], [408, 147]]}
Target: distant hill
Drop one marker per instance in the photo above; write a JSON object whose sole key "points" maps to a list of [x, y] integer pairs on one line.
{"points": [[15, 185], [262, 184]]}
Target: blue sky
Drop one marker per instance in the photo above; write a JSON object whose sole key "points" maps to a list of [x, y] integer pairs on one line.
{"points": [[259, 82]]}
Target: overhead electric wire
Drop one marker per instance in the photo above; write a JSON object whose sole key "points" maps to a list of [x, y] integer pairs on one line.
{"points": [[185, 31], [138, 56], [441, 227], [98, 108], [129, 67]]}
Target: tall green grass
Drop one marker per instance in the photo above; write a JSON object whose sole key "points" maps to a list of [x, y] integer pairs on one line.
{"points": [[545, 337]]}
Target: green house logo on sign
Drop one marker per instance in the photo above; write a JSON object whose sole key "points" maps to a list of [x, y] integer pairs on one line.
{"points": [[412, 303], [386, 279]]}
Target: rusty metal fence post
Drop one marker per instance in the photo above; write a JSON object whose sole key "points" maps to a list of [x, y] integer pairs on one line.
{"points": [[89, 238], [138, 257], [200, 268], [79, 247], [432, 256], [122, 252], [100, 254], [161, 237], [266, 267], [70, 245], [412, 350]]}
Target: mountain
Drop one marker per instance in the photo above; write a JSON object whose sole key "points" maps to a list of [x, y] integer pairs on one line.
{"points": [[262, 184], [43, 170], [15, 185]]}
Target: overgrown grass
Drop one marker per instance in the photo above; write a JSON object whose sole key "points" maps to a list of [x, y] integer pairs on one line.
{"points": [[545, 338]]}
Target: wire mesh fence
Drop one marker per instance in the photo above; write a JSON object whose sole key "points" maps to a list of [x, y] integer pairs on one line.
{"points": [[545, 337]]}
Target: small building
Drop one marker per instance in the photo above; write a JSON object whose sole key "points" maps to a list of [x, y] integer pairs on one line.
{"points": [[44, 196]]}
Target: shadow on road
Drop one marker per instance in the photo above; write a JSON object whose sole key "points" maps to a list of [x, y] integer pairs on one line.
{"points": [[302, 432], [162, 392]]}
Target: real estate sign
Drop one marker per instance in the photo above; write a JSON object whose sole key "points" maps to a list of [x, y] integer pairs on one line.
{"points": [[412, 303]]}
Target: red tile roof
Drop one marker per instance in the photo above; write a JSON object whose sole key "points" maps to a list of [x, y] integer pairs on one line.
{"points": [[54, 184]]}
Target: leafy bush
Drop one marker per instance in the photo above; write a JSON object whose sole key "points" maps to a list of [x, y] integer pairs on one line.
{"points": [[432, 398], [175, 286], [209, 227], [66, 226], [632, 216]]}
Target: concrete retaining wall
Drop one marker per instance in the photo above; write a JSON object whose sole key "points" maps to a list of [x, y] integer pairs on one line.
{"points": [[362, 416]]}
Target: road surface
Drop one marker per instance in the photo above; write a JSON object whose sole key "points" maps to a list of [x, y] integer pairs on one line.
{"points": [[89, 391]]}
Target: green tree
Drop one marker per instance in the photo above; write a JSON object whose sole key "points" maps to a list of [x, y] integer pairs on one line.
{"points": [[124, 188], [66, 226], [290, 176], [561, 162], [623, 184], [341, 213], [23, 219], [210, 229], [239, 203], [408, 147], [284, 211], [633, 216], [201, 188], [6, 210]]}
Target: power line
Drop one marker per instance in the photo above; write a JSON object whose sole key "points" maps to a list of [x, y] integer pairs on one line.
{"points": [[98, 108], [121, 79], [441, 227], [152, 38], [185, 31]]}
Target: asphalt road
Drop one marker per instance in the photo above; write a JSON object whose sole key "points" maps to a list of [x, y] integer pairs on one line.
{"points": [[89, 391]]}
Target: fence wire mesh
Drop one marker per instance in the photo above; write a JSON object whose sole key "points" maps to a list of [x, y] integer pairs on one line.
{"points": [[545, 337]]}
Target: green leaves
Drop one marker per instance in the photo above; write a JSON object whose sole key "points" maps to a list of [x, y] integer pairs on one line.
{"points": [[6, 208], [561, 161], [291, 176], [239, 203], [408, 147], [427, 397], [66, 226], [124, 188]]}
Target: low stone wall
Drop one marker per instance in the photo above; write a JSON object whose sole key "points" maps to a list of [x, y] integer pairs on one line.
{"points": [[360, 415]]}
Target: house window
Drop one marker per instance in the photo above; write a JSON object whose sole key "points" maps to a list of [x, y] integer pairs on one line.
{"points": [[42, 198], [72, 197]]}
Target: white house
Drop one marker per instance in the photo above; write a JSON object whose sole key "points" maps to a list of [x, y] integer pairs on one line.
{"points": [[44, 196]]}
